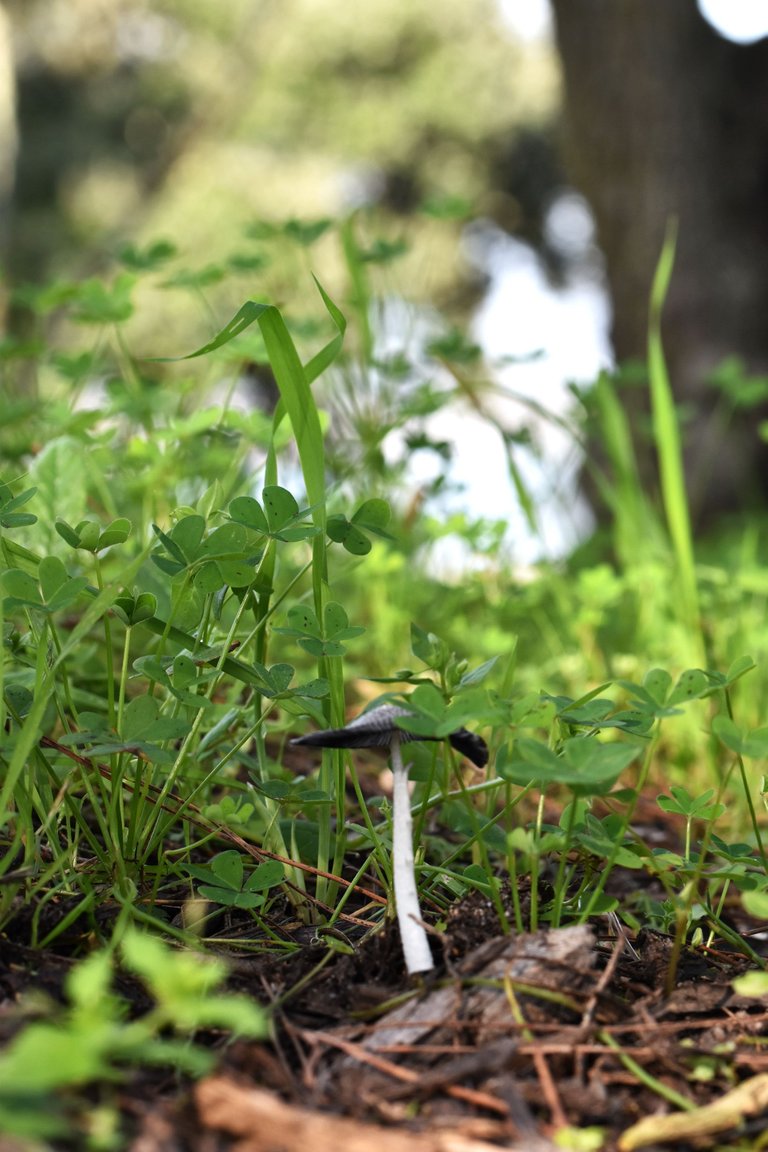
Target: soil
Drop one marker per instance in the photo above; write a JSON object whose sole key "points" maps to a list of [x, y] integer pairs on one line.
{"points": [[576, 1038], [513, 1040]]}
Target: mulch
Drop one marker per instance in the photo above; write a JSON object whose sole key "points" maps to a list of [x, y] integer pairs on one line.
{"points": [[512, 1040]]}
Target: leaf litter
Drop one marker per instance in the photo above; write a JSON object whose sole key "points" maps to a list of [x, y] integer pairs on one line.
{"points": [[555, 1039]]}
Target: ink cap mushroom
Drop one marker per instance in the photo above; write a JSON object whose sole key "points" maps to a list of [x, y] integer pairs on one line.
{"points": [[378, 728]]}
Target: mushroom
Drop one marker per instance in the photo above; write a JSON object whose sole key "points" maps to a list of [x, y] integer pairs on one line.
{"points": [[378, 729]]}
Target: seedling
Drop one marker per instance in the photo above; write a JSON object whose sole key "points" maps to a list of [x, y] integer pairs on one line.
{"points": [[378, 729]]}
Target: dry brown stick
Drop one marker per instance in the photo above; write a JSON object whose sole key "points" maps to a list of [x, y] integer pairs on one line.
{"points": [[604, 980], [559, 1119], [263, 1122], [406, 1075], [587, 1016], [489, 1060]]}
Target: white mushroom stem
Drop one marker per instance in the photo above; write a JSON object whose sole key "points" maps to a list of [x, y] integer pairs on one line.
{"points": [[418, 957]]}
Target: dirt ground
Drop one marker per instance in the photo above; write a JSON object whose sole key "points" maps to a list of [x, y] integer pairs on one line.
{"points": [[512, 1041]]}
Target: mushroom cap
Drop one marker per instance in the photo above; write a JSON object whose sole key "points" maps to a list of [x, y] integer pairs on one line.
{"points": [[377, 729]]}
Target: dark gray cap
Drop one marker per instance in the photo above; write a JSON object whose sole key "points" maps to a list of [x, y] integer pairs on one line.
{"points": [[376, 729]]}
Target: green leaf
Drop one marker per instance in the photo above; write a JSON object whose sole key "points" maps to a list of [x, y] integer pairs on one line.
{"points": [[753, 744], [477, 675], [427, 647], [228, 869], [148, 258], [340, 531], [135, 609], [752, 984], [52, 575], [88, 983], [280, 506], [303, 619], [355, 542], [43, 1057], [248, 262], [245, 510], [313, 689], [243, 318], [384, 251], [429, 710], [277, 678], [88, 532], [296, 396], [472, 705], [335, 618], [97, 303], [19, 699], [142, 721], [447, 207], [153, 668], [756, 904], [692, 685], [67, 533], [586, 766], [20, 586], [602, 846], [17, 519], [317, 647], [116, 533], [187, 535], [184, 671], [325, 357], [139, 714], [227, 897], [294, 384], [307, 232], [171, 547], [598, 762], [373, 514], [10, 517], [739, 667], [532, 711], [247, 315], [266, 875], [196, 278], [658, 683], [186, 607], [428, 700], [222, 881], [223, 541], [170, 567], [60, 476]]}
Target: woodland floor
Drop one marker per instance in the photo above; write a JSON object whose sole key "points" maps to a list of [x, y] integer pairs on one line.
{"points": [[512, 1038]]}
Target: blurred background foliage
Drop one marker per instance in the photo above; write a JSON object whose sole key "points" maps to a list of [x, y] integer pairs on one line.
{"points": [[174, 158], [203, 125], [186, 120]]}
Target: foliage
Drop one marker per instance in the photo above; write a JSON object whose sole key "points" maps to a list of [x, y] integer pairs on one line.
{"points": [[186, 584], [92, 1039], [135, 116]]}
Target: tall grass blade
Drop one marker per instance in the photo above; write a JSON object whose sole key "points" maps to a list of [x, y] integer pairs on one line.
{"points": [[636, 528], [294, 381], [666, 433]]}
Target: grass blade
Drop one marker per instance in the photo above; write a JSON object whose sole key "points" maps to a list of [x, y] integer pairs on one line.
{"points": [[666, 431]]}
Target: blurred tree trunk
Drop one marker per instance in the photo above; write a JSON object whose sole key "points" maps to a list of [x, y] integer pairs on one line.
{"points": [[664, 117], [8, 137]]}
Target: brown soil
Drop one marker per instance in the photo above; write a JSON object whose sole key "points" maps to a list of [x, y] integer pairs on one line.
{"points": [[513, 1038]]}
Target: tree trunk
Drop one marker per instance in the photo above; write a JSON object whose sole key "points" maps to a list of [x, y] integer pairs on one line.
{"points": [[8, 136], [665, 118]]}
